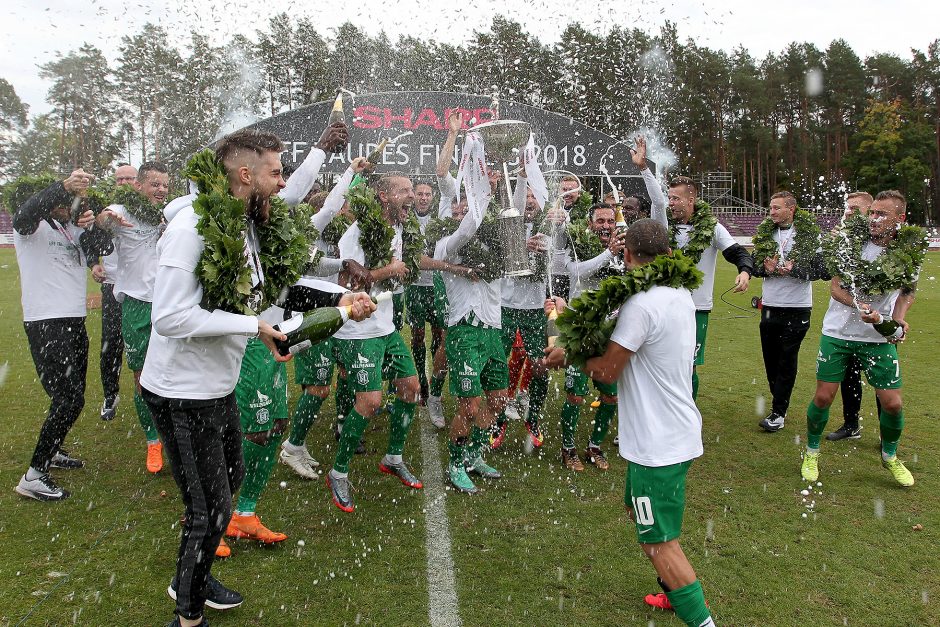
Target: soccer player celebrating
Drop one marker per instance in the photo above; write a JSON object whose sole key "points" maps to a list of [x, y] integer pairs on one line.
{"points": [[420, 302], [261, 392], [660, 427], [51, 248], [136, 248], [201, 325], [873, 258], [788, 256], [696, 232], [475, 354], [314, 366], [523, 312], [373, 349]]}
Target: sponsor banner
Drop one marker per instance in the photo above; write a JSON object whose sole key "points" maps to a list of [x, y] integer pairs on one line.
{"points": [[416, 122]]}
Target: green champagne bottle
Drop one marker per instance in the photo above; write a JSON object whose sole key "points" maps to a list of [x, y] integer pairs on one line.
{"points": [[304, 331], [889, 328]]}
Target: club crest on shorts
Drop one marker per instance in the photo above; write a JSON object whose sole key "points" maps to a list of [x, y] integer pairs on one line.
{"points": [[362, 377], [262, 416]]}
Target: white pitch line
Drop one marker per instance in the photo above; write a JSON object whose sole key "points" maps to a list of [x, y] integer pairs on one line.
{"points": [[442, 586]]}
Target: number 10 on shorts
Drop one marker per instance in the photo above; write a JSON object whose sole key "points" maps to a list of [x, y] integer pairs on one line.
{"points": [[642, 510]]}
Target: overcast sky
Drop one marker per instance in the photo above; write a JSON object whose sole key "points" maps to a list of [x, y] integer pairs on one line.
{"points": [[34, 31]]}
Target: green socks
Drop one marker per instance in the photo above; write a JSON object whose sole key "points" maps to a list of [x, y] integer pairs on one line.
{"points": [[689, 603], [538, 390], [605, 413], [304, 414], [569, 422], [891, 427], [816, 419], [437, 385], [458, 451], [400, 419], [694, 384], [345, 398], [259, 460], [146, 420], [353, 428], [478, 439], [421, 363]]}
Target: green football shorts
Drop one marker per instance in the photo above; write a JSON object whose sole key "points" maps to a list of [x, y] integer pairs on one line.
{"points": [[476, 360], [368, 361], [315, 365], [261, 392], [656, 494], [880, 361], [135, 327]]}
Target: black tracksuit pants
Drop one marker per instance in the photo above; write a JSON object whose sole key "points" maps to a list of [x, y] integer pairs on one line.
{"points": [[59, 347], [203, 441], [782, 330], [112, 343]]}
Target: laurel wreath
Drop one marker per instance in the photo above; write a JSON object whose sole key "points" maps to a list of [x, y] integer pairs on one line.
{"points": [[19, 190], [333, 231], [581, 208], [483, 252], [897, 267], [703, 231], [136, 204], [805, 243], [223, 224], [376, 235], [586, 325]]}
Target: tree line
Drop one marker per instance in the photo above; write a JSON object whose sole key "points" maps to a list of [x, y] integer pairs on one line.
{"points": [[813, 121]]}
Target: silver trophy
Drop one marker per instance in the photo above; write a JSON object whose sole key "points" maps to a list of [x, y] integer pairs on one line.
{"points": [[500, 139]]}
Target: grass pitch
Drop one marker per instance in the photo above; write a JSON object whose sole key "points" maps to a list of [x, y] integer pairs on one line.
{"points": [[540, 547]]}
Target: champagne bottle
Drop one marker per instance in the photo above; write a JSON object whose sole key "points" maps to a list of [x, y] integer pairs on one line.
{"points": [[338, 115], [621, 223], [551, 329], [304, 331], [889, 328], [376, 155]]}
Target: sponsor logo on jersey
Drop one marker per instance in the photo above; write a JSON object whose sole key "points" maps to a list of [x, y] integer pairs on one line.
{"points": [[263, 401], [362, 362]]}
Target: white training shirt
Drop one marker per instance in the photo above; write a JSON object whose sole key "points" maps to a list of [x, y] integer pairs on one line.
{"points": [[110, 265], [659, 423], [703, 295], [193, 353], [845, 323], [786, 291], [136, 247], [52, 272], [382, 321]]}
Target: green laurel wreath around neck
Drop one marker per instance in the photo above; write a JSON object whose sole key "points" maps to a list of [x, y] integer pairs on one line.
{"points": [[703, 231], [587, 245], [137, 205], [897, 267], [20, 189], [805, 242], [586, 326], [223, 269], [376, 235]]}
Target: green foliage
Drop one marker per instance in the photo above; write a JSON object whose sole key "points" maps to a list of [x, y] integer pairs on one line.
{"points": [[482, 252], [897, 267], [223, 224], [703, 231], [19, 190], [804, 246], [586, 326], [335, 229]]}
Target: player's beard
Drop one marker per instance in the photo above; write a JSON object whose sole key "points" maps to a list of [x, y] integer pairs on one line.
{"points": [[259, 206]]}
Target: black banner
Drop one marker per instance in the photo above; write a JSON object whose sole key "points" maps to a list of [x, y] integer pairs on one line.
{"points": [[416, 121]]}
